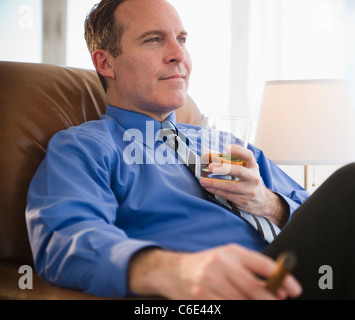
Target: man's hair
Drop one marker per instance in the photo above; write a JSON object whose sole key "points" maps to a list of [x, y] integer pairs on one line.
{"points": [[102, 31]]}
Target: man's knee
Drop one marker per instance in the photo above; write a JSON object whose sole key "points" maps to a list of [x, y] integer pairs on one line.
{"points": [[349, 168], [345, 175]]}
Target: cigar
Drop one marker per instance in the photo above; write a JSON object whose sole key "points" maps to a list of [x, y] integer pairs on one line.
{"points": [[286, 262]]}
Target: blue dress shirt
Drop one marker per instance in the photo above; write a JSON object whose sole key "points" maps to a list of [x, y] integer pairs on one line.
{"points": [[109, 188]]}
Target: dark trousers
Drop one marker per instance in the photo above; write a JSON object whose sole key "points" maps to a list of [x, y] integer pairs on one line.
{"points": [[322, 235]]}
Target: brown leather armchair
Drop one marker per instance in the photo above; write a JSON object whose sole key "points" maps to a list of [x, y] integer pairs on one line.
{"points": [[36, 101]]}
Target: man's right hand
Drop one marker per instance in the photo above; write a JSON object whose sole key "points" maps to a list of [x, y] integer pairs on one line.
{"points": [[227, 272]]}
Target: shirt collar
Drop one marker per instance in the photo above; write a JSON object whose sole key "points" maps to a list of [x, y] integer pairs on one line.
{"points": [[131, 121]]}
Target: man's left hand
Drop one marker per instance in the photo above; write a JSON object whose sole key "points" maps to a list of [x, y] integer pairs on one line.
{"points": [[248, 193]]}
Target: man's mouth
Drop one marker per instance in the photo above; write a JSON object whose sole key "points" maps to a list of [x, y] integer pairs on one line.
{"points": [[176, 76]]}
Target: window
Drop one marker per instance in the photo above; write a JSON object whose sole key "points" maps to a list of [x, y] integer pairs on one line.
{"points": [[21, 30]]}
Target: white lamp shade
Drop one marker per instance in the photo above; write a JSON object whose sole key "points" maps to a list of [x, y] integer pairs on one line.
{"points": [[307, 122]]}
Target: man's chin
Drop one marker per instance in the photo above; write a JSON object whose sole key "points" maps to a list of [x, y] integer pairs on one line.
{"points": [[165, 103], [177, 100]]}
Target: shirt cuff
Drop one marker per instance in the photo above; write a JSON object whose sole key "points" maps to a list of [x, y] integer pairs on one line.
{"points": [[293, 206], [113, 269]]}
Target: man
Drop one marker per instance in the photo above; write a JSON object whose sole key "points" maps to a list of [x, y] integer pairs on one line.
{"points": [[103, 222]]}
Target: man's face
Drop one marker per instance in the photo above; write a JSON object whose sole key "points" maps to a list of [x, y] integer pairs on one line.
{"points": [[152, 72]]}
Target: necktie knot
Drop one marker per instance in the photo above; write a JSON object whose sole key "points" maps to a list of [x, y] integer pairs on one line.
{"points": [[168, 135]]}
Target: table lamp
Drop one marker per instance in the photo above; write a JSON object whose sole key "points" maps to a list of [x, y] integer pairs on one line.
{"points": [[307, 122]]}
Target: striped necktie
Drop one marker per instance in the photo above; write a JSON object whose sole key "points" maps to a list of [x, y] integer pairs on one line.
{"points": [[178, 142]]}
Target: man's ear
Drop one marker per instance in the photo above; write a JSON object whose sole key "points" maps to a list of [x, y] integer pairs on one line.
{"points": [[102, 63]]}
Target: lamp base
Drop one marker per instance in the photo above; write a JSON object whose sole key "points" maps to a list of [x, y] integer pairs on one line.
{"points": [[305, 179]]}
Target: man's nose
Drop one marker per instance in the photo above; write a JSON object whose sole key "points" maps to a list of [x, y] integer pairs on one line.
{"points": [[176, 52]]}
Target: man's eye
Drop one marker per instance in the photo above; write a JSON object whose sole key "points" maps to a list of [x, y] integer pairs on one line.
{"points": [[182, 40], [155, 39]]}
